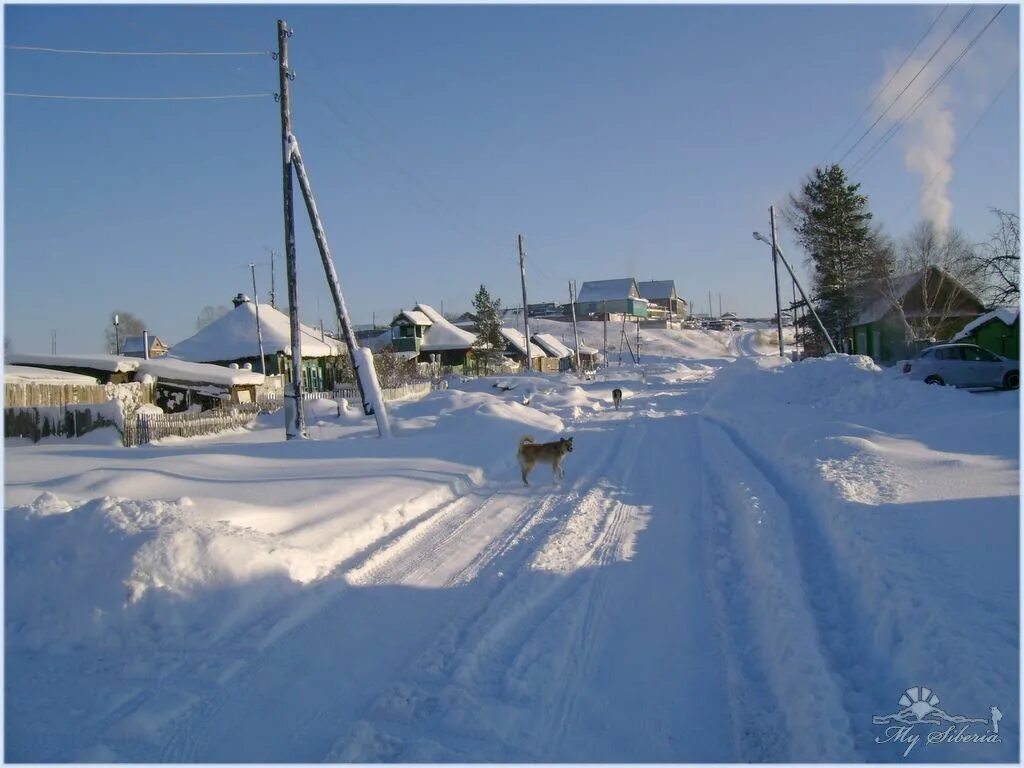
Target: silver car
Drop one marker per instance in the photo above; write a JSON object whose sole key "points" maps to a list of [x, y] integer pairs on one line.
{"points": [[962, 365]]}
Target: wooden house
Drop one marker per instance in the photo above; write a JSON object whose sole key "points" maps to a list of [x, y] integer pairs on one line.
{"points": [[997, 331], [426, 334], [662, 299], [614, 297]]}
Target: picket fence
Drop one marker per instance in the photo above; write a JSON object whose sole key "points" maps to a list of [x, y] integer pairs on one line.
{"points": [[145, 428]]}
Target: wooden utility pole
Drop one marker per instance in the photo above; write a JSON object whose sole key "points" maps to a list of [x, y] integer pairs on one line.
{"points": [[273, 294], [259, 330], [295, 418], [775, 271], [526, 307], [606, 333], [575, 333]]}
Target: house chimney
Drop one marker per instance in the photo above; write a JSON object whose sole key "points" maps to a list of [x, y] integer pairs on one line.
{"points": [[145, 345], [240, 299]]}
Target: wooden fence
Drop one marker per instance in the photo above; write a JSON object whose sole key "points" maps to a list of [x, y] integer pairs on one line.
{"points": [[37, 422], [146, 428], [270, 400], [36, 394]]}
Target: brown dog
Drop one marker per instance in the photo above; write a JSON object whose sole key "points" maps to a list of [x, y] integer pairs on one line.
{"points": [[617, 398], [531, 453]]}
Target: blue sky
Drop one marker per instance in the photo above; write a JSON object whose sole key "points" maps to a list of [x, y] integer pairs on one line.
{"points": [[644, 141]]}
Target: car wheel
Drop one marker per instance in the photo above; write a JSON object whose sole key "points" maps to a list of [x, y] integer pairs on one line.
{"points": [[935, 380], [1012, 380]]}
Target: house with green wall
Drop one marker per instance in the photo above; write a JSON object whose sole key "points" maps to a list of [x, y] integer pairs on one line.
{"points": [[427, 334], [997, 331], [894, 315], [616, 297]]}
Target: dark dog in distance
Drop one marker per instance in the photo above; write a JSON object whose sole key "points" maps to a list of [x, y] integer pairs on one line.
{"points": [[617, 398], [532, 453]]}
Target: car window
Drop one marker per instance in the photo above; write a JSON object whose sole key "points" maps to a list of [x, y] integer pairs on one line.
{"points": [[949, 353], [985, 356], [926, 355]]}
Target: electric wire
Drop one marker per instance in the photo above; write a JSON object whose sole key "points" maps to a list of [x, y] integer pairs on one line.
{"points": [[887, 82], [65, 97], [41, 49], [907, 86]]}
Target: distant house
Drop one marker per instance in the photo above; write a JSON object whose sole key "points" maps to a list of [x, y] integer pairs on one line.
{"points": [[426, 334], [590, 357], [516, 350], [233, 339], [555, 350], [616, 297], [134, 346], [662, 298], [929, 298], [997, 331]]}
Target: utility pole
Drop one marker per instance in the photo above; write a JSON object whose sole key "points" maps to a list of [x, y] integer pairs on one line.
{"points": [[295, 418], [117, 341], [605, 313], [526, 307], [273, 294], [711, 311], [53, 340], [575, 334], [775, 271], [719, 305], [259, 330], [638, 340]]}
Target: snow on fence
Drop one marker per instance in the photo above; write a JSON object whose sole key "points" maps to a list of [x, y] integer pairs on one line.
{"points": [[267, 400], [148, 427], [36, 394], [37, 422]]}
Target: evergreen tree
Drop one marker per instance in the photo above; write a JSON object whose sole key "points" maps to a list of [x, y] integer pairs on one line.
{"points": [[489, 344], [833, 225]]}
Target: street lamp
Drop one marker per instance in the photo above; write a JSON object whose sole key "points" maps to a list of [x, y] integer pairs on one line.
{"points": [[117, 341], [776, 249]]}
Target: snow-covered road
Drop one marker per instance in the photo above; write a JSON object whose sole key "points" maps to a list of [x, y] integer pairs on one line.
{"points": [[679, 597]]}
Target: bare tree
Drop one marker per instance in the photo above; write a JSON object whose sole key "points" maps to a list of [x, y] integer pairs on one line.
{"points": [[934, 280], [128, 325], [392, 369], [208, 314], [998, 260]]}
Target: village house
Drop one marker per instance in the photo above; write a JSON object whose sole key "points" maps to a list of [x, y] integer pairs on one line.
{"points": [[232, 339], [555, 350], [427, 335], [614, 297], [929, 298], [516, 350], [135, 346], [662, 299], [997, 331]]}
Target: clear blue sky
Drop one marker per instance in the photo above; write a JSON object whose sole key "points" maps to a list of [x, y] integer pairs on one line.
{"points": [[622, 141]]}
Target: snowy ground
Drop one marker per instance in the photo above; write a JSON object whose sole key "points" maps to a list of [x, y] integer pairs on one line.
{"points": [[750, 561]]}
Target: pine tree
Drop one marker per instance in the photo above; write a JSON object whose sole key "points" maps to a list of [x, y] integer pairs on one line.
{"points": [[833, 225], [489, 344]]}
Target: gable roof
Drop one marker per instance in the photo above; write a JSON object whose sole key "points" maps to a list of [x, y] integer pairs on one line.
{"points": [[518, 340], [233, 337], [608, 290], [552, 346], [413, 316], [657, 289], [442, 334], [876, 304], [134, 344], [1007, 315]]}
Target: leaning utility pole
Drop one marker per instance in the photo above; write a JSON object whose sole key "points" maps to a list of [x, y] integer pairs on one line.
{"points": [[775, 270], [605, 333], [273, 294], [575, 334], [295, 418], [526, 307], [259, 330]]}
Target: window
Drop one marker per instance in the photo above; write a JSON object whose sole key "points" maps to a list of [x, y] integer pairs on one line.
{"points": [[949, 353], [978, 355], [928, 354]]}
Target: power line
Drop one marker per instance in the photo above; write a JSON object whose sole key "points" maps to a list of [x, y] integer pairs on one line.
{"points": [[891, 78], [907, 86], [896, 127], [136, 53], [139, 98]]}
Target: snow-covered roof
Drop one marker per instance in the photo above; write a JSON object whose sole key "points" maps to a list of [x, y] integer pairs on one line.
{"points": [[204, 373], [135, 345], [1008, 315], [657, 289], [552, 346], [518, 340], [415, 317], [878, 302], [584, 349], [23, 374], [233, 337], [442, 334], [608, 290], [111, 363]]}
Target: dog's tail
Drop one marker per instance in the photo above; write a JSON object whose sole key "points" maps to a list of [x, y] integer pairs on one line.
{"points": [[524, 440]]}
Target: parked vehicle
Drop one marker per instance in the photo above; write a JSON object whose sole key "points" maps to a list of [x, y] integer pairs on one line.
{"points": [[962, 365]]}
